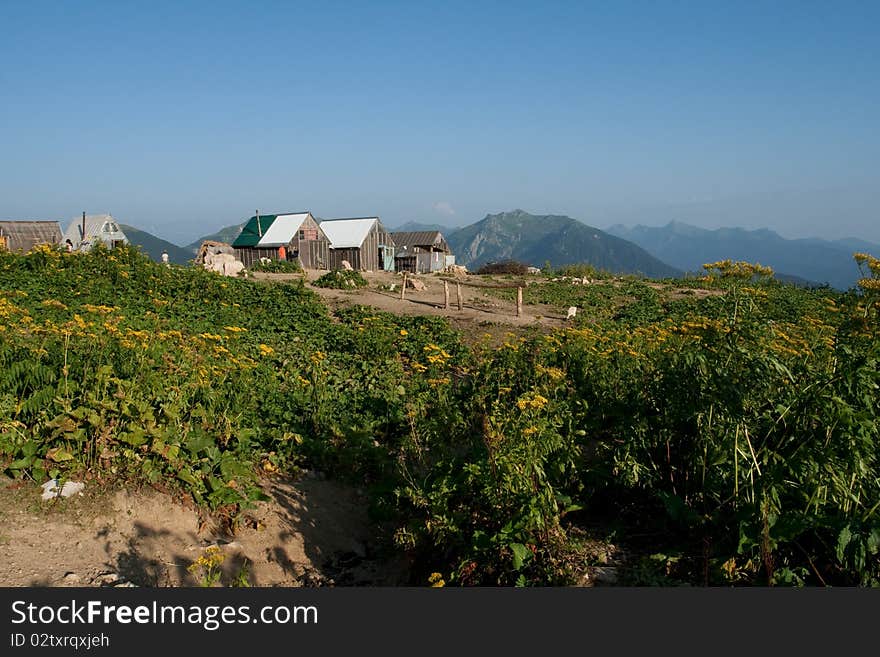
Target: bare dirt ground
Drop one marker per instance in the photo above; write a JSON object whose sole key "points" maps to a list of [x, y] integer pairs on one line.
{"points": [[313, 532], [478, 307]]}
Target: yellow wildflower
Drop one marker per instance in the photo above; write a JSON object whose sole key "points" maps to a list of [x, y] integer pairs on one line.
{"points": [[532, 401]]}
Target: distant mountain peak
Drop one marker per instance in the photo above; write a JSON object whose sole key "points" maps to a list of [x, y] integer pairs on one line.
{"points": [[561, 240]]}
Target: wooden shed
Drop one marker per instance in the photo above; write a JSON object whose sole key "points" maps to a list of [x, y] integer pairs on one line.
{"points": [[421, 252], [362, 241], [25, 235], [298, 232]]}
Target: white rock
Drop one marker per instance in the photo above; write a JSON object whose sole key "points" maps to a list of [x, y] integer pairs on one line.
{"points": [[50, 489]]}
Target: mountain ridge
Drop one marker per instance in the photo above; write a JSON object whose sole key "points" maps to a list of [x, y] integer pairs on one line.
{"points": [[559, 239], [688, 247], [226, 234], [153, 246]]}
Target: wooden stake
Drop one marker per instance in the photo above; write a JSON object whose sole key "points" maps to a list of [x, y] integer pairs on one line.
{"points": [[403, 288], [458, 294], [518, 301], [446, 295]]}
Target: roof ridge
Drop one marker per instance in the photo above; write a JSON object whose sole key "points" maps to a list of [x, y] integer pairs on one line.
{"points": [[279, 214], [349, 218]]}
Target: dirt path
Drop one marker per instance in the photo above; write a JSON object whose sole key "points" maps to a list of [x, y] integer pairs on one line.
{"points": [[478, 307], [312, 533]]}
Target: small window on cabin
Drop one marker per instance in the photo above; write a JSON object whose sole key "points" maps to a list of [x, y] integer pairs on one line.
{"points": [[302, 234], [114, 227], [106, 227]]}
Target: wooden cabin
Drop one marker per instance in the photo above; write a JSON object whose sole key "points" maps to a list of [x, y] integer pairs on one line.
{"points": [[421, 252], [298, 232], [363, 242], [22, 236]]}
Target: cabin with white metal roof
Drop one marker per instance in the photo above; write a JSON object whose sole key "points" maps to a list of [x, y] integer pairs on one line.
{"points": [[300, 235], [84, 233], [363, 242]]}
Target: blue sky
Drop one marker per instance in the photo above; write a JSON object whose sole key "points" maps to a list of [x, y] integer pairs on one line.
{"points": [[183, 117]]}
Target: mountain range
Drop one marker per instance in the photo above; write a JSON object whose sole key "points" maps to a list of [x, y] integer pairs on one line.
{"points": [[415, 226], [689, 247]]}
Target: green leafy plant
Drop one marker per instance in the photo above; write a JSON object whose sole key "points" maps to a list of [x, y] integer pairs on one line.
{"points": [[341, 279]]}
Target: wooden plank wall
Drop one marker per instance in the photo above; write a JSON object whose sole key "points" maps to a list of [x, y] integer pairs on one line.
{"points": [[250, 255], [313, 254], [352, 255]]}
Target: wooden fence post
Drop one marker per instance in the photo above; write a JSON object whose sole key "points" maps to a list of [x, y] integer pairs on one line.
{"points": [[446, 295], [458, 294], [403, 288], [518, 301]]}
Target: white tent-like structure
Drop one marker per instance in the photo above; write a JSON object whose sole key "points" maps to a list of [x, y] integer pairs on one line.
{"points": [[84, 233]]}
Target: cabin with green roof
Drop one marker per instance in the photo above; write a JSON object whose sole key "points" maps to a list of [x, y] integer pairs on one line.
{"points": [[302, 238]]}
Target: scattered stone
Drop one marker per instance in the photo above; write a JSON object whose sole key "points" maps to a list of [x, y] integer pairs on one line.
{"points": [[106, 579], [72, 578], [572, 312], [416, 284], [347, 265]]}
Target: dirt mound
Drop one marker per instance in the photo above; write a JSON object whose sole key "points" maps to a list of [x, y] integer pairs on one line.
{"points": [[313, 532]]}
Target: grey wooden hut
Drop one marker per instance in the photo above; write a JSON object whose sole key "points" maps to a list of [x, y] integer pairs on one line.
{"points": [[421, 252], [362, 241], [24, 235]]}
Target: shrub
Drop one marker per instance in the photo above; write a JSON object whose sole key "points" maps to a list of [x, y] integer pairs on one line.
{"points": [[277, 266], [579, 270], [504, 267], [340, 279]]}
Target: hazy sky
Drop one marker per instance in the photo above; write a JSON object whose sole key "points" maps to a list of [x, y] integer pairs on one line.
{"points": [[183, 117]]}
